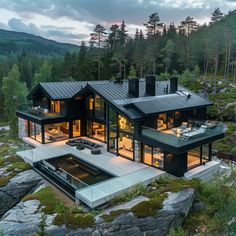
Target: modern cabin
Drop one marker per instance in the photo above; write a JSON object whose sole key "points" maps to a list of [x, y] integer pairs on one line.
{"points": [[158, 123]]}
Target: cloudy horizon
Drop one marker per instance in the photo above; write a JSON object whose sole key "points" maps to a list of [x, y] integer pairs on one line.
{"points": [[72, 21]]}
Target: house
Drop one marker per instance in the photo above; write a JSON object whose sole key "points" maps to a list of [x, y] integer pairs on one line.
{"points": [[158, 123]]}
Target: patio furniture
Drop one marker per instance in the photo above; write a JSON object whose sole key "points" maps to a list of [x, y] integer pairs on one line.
{"points": [[95, 151], [79, 147]]}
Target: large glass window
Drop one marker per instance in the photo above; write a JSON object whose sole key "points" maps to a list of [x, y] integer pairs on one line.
{"points": [[35, 131], [56, 132], [76, 128], [194, 157], [112, 131], [99, 107], [96, 130], [23, 127], [125, 124], [153, 156], [126, 145]]}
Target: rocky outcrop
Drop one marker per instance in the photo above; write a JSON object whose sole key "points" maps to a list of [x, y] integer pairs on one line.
{"points": [[176, 207], [18, 187], [23, 219]]}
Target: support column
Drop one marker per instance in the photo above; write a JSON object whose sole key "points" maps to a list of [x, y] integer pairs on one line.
{"points": [[137, 151]]}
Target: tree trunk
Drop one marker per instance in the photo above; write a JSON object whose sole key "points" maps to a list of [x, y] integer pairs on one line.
{"points": [[206, 67], [226, 60], [154, 66], [216, 69], [229, 55], [234, 80], [99, 66]]}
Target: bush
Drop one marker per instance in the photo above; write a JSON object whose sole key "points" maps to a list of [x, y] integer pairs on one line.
{"points": [[137, 190], [177, 232], [148, 208], [74, 220]]}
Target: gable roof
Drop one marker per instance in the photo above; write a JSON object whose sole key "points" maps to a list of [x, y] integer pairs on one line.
{"points": [[118, 95]]}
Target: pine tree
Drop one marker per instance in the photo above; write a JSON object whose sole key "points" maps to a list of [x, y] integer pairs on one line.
{"points": [[217, 15], [154, 25], [98, 40], [188, 25], [113, 36], [168, 52], [123, 35], [44, 74]]}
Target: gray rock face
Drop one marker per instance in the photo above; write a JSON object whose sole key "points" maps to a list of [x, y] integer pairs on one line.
{"points": [[24, 218], [18, 187]]}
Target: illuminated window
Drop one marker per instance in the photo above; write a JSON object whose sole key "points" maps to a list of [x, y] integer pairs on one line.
{"points": [[55, 106], [91, 104]]}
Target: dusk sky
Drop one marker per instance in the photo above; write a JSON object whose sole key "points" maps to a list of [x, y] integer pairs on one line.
{"points": [[73, 20]]}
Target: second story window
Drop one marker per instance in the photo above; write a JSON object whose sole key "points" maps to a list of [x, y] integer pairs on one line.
{"points": [[55, 106], [99, 107]]}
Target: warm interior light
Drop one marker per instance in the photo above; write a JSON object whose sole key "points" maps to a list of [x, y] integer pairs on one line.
{"points": [[123, 123]]}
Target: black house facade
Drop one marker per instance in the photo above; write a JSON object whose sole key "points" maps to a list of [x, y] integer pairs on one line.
{"points": [[158, 123]]}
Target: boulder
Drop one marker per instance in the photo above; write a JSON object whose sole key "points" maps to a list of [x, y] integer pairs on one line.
{"points": [[18, 187]]}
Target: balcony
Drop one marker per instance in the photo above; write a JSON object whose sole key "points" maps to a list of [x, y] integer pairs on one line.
{"points": [[183, 138], [37, 112]]}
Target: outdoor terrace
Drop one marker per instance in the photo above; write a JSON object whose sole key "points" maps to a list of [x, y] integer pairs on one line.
{"points": [[37, 112], [184, 137]]}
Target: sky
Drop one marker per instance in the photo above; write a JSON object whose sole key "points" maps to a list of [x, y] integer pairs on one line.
{"points": [[72, 21]]}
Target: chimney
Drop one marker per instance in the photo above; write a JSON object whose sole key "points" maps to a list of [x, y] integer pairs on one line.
{"points": [[173, 84], [151, 85], [134, 87]]}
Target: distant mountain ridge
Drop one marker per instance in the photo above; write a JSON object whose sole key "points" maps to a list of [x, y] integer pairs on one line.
{"points": [[12, 42]]}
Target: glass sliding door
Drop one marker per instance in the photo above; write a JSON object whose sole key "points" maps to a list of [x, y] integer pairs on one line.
{"points": [[96, 130], [112, 144], [35, 131], [76, 128], [126, 145], [153, 156], [194, 157]]}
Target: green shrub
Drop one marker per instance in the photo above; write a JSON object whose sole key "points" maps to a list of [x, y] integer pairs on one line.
{"points": [[4, 150], [233, 151], [149, 207], [177, 232], [114, 214], [137, 190], [13, 159], [74, 220]]}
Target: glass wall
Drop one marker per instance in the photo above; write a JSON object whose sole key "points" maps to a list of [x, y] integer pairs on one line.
{"points": [[112, 145], [35, 131], [194, 157], [76, 128], [153, 156], [23, 127], [96, 130], [125, 137], [56, 132], [99, 107]]}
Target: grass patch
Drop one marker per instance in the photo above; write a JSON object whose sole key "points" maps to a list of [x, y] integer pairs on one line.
{"points": [[4, 150], [4, 180], [17, 167], [137, 190], [74, 220], [114, 214], [47, 199], [148, 208]]}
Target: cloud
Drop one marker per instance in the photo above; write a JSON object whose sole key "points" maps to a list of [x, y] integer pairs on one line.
{"points": [[18, 25], [73, 20]]}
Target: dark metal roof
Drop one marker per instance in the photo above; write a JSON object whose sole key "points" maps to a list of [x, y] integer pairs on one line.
{"points": [[170, 102], [118, 94]]}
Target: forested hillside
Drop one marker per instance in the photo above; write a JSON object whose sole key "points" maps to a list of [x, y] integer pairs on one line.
{"points": [[196, 53], [12, 42]]}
